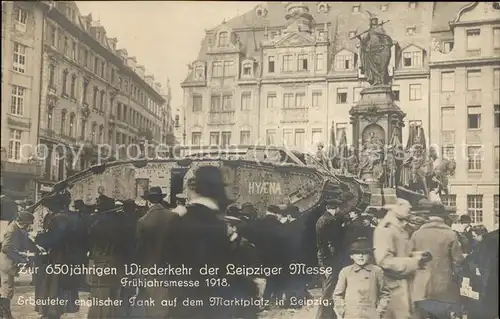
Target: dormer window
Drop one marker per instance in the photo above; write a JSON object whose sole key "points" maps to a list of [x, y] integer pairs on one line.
{"points": [[302, 60], [384, 7], [448, 46], [355, 8], [199, 73], [412, 5], [21, 16], [344, 62], [321, 34], [411, 30], [223, 39], [412, 59], [247, 69]]}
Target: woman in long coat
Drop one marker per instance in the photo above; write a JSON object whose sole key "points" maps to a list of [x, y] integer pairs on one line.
{"points": [[202, 239]]}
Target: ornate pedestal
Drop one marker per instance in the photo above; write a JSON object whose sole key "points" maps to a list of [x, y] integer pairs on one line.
{"points": [[381, 196]]}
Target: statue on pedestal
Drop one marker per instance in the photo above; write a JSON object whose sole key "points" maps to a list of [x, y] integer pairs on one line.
{"points": [[372, 158], [375, 53]]}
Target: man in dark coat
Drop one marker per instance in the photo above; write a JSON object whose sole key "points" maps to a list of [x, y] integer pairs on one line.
{"points": [[330, 238], [202, 239], [155, 246]]}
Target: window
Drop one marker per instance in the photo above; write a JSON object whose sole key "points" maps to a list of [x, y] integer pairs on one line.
{"points": [[447, 81], [74, 51], [474, 155], [21, 16], [300, 138], [196, 138], [341, 95], [223, 39], [300, 100], [49, 119], [247, 69], [474, 80], [288, 138], [214, 138], [302, 60], [73, 86], [94, 132], [65, 82], [449, 200], [96, 65], [395, 92], [52, 35], [357, 94], [84, 92], [271, 100], [94, 100], [496, 115], [215, 104], [118, 138], [384, 7], [197, 103], [319, 62], [474, 117], [229, 68], [474, 40], [246, 99], [448, 46], [412, 59], [15, 144], [355, 9], [496, 38], [448, 119], [52, 80], [287, 63], [344, 62], [316, 135], [17, 101], [198, 73], [245, 137], [101, 102], [271, 137], [19, 64], [227, 103], [497, 157], [270, 64], [496, 208], [71, 131], [101, 134], [496, 80], [66, 46], [316, 99], [288, 101], [415, 92], [448, 152], [63, 122], [226, 138], [411, 30], [475, 208], [217, 68]]}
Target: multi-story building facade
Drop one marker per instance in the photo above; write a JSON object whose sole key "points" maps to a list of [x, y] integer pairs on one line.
{"points": [[284, 73], [21, 60], [465, 119]]}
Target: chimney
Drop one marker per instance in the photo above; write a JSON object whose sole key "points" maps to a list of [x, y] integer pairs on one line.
{"points": [[131, 62], [140, 70], [150, 79], [113, 42]]}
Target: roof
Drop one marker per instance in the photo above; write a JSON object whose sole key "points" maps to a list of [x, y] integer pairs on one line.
{"points": [[340, 18], [444, 13]]}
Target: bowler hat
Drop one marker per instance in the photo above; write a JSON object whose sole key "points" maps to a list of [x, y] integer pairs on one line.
{"points": [[154, 191], [129, 203], [25, 217], [361, 246], [247, 206]]}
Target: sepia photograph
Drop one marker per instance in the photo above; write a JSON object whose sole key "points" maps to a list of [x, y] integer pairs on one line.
{"points": [[250, 160]]}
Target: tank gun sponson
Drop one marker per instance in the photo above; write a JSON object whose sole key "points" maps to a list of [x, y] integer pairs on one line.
{"points": [[248, 180]]}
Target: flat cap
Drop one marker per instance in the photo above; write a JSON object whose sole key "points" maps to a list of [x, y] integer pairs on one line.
{"points": [[25, 217], [181, 196]]}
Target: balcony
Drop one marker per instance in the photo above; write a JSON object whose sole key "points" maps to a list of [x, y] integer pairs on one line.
{"points": [[295, 115], [31, 169], [221, 118]]}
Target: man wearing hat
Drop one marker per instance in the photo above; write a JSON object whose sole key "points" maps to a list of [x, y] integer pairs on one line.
{"points": [[361, 291], [181, 204], [10, 256], [435, 293], [154, 233], [391, 243], [329, 238]]}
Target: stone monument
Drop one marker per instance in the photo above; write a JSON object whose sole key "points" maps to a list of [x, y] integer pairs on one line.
{"points": [[376, 119]]}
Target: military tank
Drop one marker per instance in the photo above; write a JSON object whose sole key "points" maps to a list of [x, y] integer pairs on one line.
{"points": [[261, 175]]}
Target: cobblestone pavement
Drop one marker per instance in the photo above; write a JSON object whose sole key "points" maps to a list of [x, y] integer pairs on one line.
{"points": [[27, 311]]}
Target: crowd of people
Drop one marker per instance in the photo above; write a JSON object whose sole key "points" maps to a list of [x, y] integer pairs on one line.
{"points": [[405, 261]]}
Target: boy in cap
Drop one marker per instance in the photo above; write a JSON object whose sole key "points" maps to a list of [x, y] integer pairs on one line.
{"points": [[361, 291]]}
